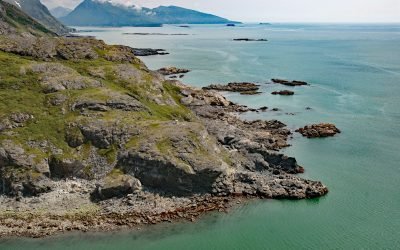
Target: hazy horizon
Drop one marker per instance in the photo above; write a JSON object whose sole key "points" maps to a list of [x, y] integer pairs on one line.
{"points": [[285, 11]]}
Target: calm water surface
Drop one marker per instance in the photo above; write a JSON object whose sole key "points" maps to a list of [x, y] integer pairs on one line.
{"points": [[354, 71]]}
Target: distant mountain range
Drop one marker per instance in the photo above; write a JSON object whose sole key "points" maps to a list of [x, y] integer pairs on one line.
{"points": [[106, 13], [40, 13], [60, 12]]}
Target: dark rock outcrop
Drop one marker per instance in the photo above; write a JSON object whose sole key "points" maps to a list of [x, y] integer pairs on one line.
{"points": [[234, 87], [149, 52], [289, 83], [319, 130]]}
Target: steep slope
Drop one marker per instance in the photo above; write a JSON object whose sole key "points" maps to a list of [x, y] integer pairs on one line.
{"points": [[15, 21], [36, 10], [60, 12], [93, 12]]}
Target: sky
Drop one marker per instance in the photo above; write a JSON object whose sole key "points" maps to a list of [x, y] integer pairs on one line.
{"points": [[278, 10]]}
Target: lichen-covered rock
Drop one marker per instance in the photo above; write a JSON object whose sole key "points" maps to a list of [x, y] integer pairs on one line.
{"points": [[12, 154], [57, 77], [78, 48], [73, 136], [103, 134]]}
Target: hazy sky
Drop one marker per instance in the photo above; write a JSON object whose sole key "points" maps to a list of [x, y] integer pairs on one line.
{"points": [[279, 10]]}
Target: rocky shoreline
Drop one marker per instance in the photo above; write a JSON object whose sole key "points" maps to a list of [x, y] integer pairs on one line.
{"points": [[91, 139]]}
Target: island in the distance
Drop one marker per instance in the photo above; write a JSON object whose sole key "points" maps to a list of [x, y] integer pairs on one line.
{"points": [[92, 139]]}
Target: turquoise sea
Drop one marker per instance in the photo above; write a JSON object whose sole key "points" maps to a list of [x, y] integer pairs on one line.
{"points": [[354, 71]]}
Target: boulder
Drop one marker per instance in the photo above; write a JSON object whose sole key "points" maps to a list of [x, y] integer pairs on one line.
{"points": [[116, 184]]}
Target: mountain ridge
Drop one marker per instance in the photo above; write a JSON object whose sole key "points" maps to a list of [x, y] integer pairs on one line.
{"points": [[39, 12], [98, 13]]}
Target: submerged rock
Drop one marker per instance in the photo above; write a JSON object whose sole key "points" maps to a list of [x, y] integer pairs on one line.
{"points": [[319, 130], [283, 92], [250, 92], [249, 40]]}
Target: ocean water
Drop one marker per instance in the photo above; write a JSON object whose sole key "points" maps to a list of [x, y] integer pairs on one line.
{"points": [[354, 71]]}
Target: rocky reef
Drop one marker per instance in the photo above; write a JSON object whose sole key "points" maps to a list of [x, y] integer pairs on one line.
{"points": [[319, 130], [90, 138], [249, 40], [289, 83]]}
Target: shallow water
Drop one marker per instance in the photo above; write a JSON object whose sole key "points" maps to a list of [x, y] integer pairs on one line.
{"points": [[354, 71]]}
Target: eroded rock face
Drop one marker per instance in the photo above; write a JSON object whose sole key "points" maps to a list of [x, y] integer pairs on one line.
{"points": [[319, 130], [180, 159], [115, 101], [103, 134], [23, 183]]}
